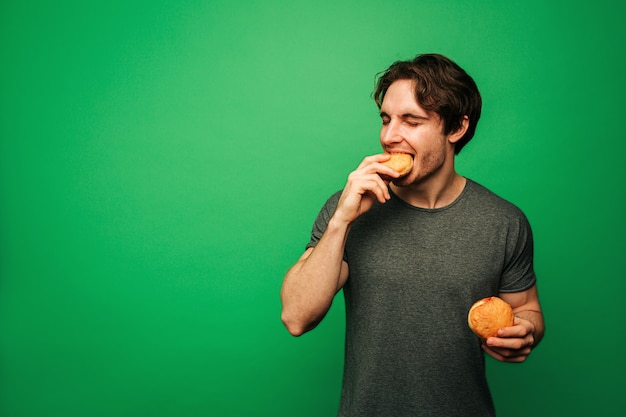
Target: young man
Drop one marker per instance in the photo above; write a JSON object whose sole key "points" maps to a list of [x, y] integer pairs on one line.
{"points": [[412, 255]]}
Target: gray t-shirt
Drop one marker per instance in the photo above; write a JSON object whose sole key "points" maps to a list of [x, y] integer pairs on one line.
{"points": [[414, 274]]}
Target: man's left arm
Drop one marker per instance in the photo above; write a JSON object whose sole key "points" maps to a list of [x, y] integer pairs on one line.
{"points": [[515, 343]]}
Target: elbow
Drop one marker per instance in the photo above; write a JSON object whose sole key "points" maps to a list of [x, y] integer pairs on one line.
{"points": [[297, 326], [294, 328]]}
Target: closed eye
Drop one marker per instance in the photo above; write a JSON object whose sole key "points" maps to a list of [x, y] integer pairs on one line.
{"points": [[413, 120]]}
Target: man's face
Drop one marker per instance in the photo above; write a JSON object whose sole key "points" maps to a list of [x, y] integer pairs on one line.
{"points": [[407, 127]]}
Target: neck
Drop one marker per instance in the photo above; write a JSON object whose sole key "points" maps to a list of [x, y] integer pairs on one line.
{"points": [[435, 192]]}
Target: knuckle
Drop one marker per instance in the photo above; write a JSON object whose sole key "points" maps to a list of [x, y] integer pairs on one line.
{"points": [[517, 344]]}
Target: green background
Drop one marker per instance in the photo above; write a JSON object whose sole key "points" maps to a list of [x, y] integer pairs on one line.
{"points": [[161, 164]]}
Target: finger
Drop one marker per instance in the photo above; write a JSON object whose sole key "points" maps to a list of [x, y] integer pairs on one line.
{"points": [[359, 196], [373, 164], [520, 328], [513, 331], [514, 343], [362, 183], [378, 188], [507, 355], [371, 159], [510, 352]]}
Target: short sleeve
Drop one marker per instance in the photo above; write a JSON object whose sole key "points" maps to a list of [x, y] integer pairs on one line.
{"points": [[518, 273], [323, 217]]}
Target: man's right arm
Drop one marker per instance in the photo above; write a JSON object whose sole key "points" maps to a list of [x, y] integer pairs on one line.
{"points": [[311, 284]]}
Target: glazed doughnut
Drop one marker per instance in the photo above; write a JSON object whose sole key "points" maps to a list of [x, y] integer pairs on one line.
{"points": [[489, 315], [400, 162]]}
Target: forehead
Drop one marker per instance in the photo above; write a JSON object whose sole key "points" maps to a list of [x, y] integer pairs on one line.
{"points": [[400, 100], [401, 95]]}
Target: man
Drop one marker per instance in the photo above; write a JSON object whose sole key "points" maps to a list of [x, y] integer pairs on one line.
{"points": [[412, 254]]}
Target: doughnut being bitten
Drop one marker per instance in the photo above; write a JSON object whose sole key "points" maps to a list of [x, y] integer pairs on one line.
{"points": [[402, 163]]}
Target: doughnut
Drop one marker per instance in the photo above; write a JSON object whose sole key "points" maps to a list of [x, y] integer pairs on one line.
{"points": [[400, 162], [489, 315]]}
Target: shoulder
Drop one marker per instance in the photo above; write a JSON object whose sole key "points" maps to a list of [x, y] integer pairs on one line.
{"points": [[485, 200], [498, 215], [328, 209], [331, 203]]}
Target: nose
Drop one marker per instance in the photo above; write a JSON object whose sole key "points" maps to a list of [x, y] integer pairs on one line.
{"points": [[391, 134]]}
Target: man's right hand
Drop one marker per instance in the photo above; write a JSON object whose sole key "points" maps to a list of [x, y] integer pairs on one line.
{"points": [[364, 187]]}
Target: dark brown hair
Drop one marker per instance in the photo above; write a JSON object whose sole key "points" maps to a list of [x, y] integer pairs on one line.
{"points": [[442, 87]]}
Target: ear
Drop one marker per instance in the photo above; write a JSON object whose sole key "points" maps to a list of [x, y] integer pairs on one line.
{"points": [[458, 134]]}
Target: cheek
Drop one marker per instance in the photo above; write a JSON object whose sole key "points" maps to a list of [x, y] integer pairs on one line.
{"points": [[431, 157], [430, 160]]}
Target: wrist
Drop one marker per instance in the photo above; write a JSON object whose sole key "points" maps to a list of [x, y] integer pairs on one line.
{"points": [[340, 220]]}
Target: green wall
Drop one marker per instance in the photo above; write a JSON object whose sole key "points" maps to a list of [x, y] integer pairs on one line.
{"points": [[161, 163]]}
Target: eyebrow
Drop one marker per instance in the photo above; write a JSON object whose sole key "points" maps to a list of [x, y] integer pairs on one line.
{"points": [[407, 116]]}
